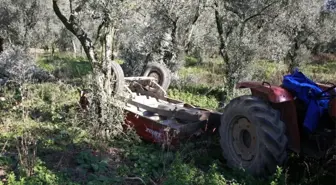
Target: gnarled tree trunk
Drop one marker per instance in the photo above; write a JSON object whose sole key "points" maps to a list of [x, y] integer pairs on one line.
{"points": [[102, 72], [1, 44]]}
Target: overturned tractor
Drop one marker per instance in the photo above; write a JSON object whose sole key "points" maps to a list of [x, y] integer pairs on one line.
{"points": [[257, 131]]}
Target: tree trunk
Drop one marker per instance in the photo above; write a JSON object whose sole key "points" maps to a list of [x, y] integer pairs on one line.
{"points": [[74, 27], [187, 46], [74, 48], [109, 43], [99, 100], [229, 81], [168, 51], [290, 59], [52, 50], [1, 44], [190, 31], [102, 70]]}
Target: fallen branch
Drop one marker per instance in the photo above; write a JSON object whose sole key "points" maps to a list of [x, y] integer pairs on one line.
{"points": [[152, 181], [135, 178], [3, 148]]}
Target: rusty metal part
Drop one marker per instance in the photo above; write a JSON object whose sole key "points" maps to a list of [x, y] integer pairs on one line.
{"points": [[289, 116], [139, 78], [274, 94], [156, 76], [244, 139]]}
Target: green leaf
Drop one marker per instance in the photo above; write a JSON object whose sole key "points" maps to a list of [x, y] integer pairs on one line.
{"points": [[95, 167]]}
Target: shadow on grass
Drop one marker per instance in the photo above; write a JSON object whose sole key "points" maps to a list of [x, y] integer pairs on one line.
{"points": [[65, 67], [66, 155], [59, 156]]}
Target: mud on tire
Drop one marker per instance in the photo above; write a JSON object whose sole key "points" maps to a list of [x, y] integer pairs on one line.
{"points": [[160, 72], [253, 136]]}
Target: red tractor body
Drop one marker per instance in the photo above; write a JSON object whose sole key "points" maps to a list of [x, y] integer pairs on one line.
{"points": [[284, 101], [258, 130], [255, 130], [168, 121]]}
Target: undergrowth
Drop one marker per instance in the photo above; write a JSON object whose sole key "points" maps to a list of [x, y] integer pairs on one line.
{"points": [[44, 140]]}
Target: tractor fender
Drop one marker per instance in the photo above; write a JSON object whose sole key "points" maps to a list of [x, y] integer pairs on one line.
{"points": [[274, 94], [284, 102]]}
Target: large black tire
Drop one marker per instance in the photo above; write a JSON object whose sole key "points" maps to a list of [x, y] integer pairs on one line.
{"points": [[160, 72], [118, 80], [253, 136]]}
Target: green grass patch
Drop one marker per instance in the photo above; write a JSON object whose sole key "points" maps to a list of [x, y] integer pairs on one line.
{"points": [[185, 71], [203, 101], [191, 61], [68, 154], [65, 66], [325, 73]]}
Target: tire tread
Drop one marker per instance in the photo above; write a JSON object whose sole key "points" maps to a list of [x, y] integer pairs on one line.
{"points": [[272, 140]]}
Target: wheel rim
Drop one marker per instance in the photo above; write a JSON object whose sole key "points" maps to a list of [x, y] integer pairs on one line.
{"points": [[244, 139], [155, 75]]}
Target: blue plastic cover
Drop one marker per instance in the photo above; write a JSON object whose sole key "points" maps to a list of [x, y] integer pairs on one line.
{"points": [[307, 91]]}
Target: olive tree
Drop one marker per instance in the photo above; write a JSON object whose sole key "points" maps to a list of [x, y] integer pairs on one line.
{"points": [[175, 21], [298, 29], [301, 23], [239, 25], [107, 75], [159, 31], [18, 20]]}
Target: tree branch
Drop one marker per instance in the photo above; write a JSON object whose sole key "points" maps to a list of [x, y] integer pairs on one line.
{"points": [[193, 23], [70, 4], [73, 26], [197, 13], [99, 31], [260, 12], [62, 17], [231, 9], [220, 30], [80, 6]]}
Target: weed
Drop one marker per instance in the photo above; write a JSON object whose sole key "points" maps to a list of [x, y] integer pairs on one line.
{"points": [[195, 99], [60, 145], [65, 66], [190, 61], [183, 174], [41, 175], [26, 147]]}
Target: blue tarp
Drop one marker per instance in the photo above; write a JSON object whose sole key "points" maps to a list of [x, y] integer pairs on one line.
{"points": [[307, 91]]}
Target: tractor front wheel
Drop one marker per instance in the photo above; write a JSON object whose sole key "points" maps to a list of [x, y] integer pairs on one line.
{"points": [[253, 136]]}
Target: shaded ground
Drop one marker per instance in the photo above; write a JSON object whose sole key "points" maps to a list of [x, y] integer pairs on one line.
{"points": [[60, 148]]}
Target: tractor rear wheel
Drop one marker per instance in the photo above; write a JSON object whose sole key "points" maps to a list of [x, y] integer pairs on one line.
{"points": [[253, 136]]}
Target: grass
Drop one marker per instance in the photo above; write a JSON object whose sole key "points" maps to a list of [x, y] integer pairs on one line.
{"points": [[65, 66], [197, 99], [60, 150]]}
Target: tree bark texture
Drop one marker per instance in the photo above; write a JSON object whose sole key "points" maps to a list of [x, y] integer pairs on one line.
{"points": [[102, 72], [222, 48], [1, 44]]}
